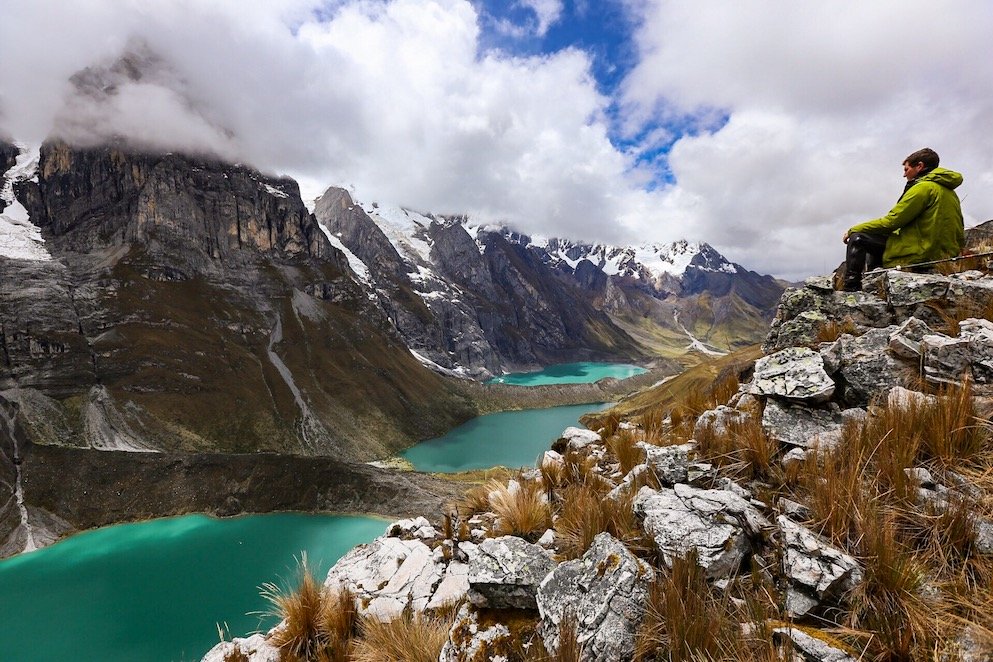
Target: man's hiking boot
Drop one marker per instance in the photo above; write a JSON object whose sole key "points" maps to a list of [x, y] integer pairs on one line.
{"points": [[851, 286]]}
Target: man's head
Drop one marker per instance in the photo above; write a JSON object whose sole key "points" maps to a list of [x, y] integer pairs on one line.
{"points": [[920, 162]]}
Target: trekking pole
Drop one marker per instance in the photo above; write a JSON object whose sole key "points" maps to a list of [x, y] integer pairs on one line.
{"points": [[928, 264]]}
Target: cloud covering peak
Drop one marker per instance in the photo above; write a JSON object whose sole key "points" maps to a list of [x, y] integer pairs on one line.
{"points": [[779, 124]]}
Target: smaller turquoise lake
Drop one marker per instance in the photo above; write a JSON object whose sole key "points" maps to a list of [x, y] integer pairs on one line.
{"points": [[569, 373], [153, 591], [508, 438]]}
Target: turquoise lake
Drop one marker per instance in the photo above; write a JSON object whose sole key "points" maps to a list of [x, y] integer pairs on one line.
{"points": [[155, 590], [509, 438], [569, 373]]}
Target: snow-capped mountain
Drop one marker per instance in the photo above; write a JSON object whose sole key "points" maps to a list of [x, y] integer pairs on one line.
{"points": [[476, 299], [648, 262], [465, 298]]}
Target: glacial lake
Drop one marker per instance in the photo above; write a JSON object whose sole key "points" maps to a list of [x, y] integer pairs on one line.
{"points": [[569, 373], [508, 438], [153, 591]]}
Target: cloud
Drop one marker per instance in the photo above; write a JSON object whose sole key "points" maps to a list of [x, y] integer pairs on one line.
{"points": [[787, 121], [823, 102], [547, 11], [395, 99]]}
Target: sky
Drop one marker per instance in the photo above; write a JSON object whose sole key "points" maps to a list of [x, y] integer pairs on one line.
{"points": [[763, 127]]}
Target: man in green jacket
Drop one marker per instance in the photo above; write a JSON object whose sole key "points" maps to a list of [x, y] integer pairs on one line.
{"points": [[925, 225]]}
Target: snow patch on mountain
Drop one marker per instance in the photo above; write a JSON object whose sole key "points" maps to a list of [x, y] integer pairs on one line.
{"points": [[406, 230], [652, 261], [356, 265], [20, 239]]}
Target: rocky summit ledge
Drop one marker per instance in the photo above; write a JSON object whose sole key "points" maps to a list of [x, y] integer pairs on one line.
{"points": [[726, 503]]}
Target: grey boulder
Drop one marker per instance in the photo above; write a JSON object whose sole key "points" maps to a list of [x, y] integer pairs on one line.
{"points": [[605, 591]]}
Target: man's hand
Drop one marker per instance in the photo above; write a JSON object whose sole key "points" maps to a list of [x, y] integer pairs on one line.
{"points": [[844, 239]]}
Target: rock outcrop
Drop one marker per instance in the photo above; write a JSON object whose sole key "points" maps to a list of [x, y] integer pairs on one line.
{"points": [[603, 594]]}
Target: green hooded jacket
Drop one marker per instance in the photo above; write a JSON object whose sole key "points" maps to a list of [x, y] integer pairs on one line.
{"points": [[926, 224]]}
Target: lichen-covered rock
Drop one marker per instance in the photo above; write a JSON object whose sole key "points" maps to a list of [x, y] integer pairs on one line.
{"points": [[669, 463], [902, 398], [795, 425], [505, 573], [469, 640], [795, 373], [803, 312], [417, 527], [253, 649], [867, 369], [717, 523], [575, 439], [717, 420], [811, 649], [390, 575], [946, 360], [818, 572], [968, 356], [906, 289], [605, 591], [905, 342]]}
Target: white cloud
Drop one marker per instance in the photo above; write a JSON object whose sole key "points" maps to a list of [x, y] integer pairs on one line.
{"points": [[824, 102], [392, 98], [547, 11], [397, 100]]}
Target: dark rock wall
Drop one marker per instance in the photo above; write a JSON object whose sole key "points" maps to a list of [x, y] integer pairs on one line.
{"points": [[195, 306], [192, 211], [10, 516]]}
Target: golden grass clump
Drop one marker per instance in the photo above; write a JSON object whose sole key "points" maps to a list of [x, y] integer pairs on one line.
{"points": [[686, 622], [952, 433], [741, 448], [653, 423], [623, 446], [409, 638], [889, 604], [235, 654], [569, 650], [523, 511], [831, 330], [318, 622], [584, 513]]}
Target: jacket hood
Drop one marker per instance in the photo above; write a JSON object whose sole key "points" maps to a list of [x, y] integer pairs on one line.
{"points": [[947, 178]]}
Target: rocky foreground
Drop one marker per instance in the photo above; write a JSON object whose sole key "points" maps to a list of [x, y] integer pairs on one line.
{"points": [[748, 497]]}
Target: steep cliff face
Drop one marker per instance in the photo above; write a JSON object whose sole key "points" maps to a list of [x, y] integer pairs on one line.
{"points": [[474, 302], [10, 516], [195, 306]]}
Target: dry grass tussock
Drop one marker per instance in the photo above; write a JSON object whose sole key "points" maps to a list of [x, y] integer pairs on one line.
{"points": [[584, 513], [409, 638], [664, 426], [622, 444], [831, 330], [522, 510], [686, 621], [922, 573], [318, 622], [742, 449]]}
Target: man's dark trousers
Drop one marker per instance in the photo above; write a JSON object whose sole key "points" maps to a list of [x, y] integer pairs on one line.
{"points": [[864, 253]]}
